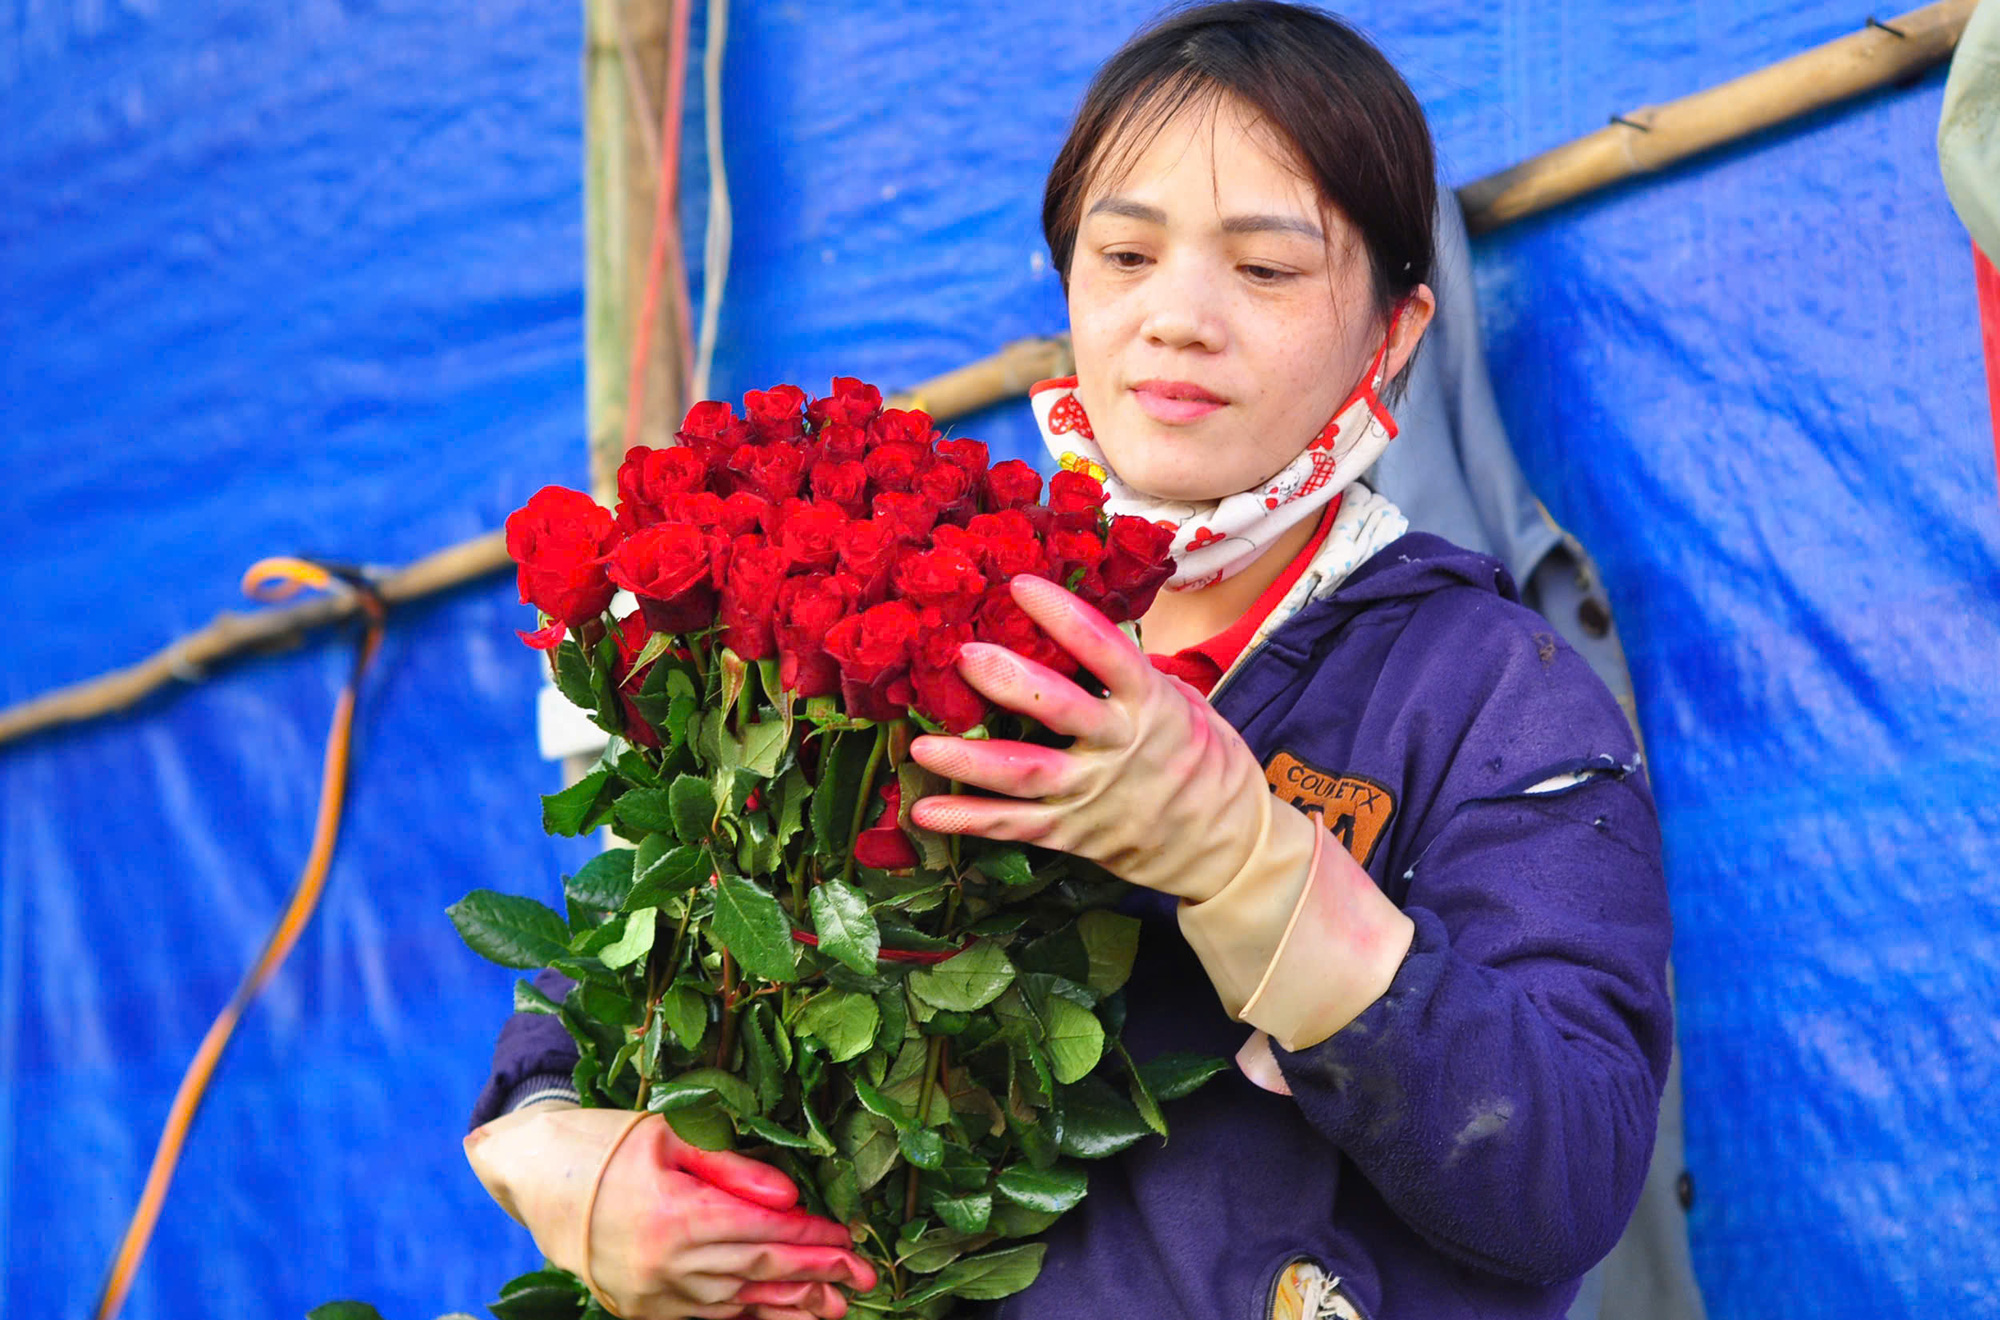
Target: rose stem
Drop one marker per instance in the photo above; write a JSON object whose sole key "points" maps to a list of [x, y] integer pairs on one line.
{"points": [[867, 791], [727, 1039], [932, 1052]]}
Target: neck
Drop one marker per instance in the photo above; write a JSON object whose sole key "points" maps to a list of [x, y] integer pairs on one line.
{"points": [[1180, 619]]}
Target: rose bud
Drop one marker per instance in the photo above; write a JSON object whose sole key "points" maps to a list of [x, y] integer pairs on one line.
{"points": [[713, 432], [1071, 549], [868, 550], [808, 607], [774, 471], [852, 403], [947, 486], [896, 466], [1008, 545], [648, 479], [901, 426], [875, 643], [667, 566], [1075, 500], [841, 484], [558, 541], [811, 534], [743, 513], [774, 413], [1012, 485], [943, 579], [910, 516], [1004, 623], [942, 693], [840, 442], [969, 456], [1137, 563], [883, 845], [631, 637], [750, 597]]}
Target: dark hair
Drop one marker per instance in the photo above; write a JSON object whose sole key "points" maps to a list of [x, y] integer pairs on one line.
{"points": [[1355, 124]]}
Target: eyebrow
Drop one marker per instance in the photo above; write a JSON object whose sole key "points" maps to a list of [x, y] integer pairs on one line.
{"points": [[1235, 224]]}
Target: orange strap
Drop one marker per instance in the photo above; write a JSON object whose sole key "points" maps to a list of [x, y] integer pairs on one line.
{"points": [[268, 579]]}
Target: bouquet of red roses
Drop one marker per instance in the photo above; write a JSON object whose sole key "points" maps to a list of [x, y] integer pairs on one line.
{"points": [[923, 1032]]}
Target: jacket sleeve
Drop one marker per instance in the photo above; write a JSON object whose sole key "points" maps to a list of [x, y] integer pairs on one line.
{"points": [[1502, 1096], [531, 1045]]}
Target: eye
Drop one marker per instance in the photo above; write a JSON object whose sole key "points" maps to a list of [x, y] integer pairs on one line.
{"points": [[1262, 274], [1125, 260]]}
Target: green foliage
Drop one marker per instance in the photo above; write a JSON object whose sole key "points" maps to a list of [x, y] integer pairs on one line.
{"points": [[941, 1103]]}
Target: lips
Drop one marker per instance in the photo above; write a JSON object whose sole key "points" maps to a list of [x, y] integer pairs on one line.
{"points": [[1175, 401]]}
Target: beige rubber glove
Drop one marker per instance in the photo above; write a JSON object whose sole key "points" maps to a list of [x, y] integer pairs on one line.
{"points": [[1160, 790], [673, 1231]]}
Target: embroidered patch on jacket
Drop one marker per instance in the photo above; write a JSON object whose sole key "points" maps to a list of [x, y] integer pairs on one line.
{"points": [[1305, 1291], [1357, 809]]}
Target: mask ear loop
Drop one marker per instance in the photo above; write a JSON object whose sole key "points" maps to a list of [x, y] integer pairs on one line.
{"points": [[1379, 368]]}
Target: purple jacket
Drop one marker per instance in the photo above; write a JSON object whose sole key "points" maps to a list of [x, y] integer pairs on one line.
{"points": [[1476, 1139]]}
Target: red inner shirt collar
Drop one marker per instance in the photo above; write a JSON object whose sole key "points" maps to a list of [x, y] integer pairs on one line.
{"points": [[1202, 665]]}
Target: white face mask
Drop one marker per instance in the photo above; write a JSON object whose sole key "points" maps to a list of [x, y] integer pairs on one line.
{"points": [[1215, 539]]}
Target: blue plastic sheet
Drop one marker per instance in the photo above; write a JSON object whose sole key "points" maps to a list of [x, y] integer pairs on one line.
{"points": [[308, 278]]}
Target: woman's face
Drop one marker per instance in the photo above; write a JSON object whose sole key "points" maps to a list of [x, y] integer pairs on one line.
{"points": [[1218, 312]]}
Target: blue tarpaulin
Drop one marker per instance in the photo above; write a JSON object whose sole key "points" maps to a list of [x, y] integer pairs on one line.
{"points": [[308, 278]]}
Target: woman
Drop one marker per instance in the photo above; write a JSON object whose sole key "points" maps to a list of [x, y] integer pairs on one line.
{"points": [[1399, 825]]}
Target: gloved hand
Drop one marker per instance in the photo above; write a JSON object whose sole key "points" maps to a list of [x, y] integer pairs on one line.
{"points": [[674, 1231], [1160, 790]]}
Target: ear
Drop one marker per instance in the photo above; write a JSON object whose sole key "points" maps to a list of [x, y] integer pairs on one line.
{"points": [[1415, 318]]}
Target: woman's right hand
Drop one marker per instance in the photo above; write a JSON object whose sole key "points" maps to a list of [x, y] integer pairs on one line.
{"points": [[675, 1231]]}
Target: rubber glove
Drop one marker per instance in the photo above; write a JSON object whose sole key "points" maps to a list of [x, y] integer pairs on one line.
{"points": [[675, 1231], [1160, 790]]}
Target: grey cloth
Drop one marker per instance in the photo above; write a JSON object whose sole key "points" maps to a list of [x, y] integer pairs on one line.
{"points": [[1969, 128], [1453, 473]]}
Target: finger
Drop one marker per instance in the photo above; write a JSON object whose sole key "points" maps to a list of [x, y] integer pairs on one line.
{"points": [[1020, 770], [783, 1292], [1003, 819], [781, 1313], [777, 1263], [1087, 635], [810, 1299], [714, 1216], [738, 1175], [1028, 687]]}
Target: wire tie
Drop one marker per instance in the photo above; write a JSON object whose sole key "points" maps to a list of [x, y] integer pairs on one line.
{"points": [[1875, 22], [1631, 123], [178, 664]]}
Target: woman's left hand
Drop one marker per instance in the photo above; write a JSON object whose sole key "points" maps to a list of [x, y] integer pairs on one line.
{"points": [[1157, 788]]}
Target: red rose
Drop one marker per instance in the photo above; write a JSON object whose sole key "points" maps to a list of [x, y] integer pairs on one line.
{"points": [[875, 643], [943, 579], [744, 512], [852, 403], [808, 607], [898, 426], [868, 550], [897, 465], [774, 413], [750, 597], [1003, 623], [810, 533], [841, 442], [1008, 545], [947, 486], [558, 541], [1012, 485], [1071, 549], [648, 479], [631, 636], [667, 567], [844, 484], [713, 431], [911, 516], [883, 845], [703, 508], [1137, 562], [942, 694], [968, 456], [1075, 500], [773, 471]]}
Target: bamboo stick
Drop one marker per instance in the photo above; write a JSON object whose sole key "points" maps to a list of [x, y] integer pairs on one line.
{"points": [[1654, 137], [1005, 375]]}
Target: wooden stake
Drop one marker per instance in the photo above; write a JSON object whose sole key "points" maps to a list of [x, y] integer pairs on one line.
{"points": [[1654, 137]]}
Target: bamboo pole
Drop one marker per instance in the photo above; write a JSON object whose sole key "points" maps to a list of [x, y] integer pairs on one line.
{"points": [[1653, 137]]}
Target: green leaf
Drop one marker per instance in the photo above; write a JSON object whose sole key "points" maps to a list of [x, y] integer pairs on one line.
{"points": [[969, 1213], [793, 795], [763, 746], [921, 1146], [1010, 1220], [870, 1142], [1142, 1095], [343, 1311], [693, 804], [1112, 940], [543, 1295], [969, 980], [650, 1045], [895, 1009], [845, 1023], [703, 1125], [691, 1088], [1075, 1040], [841, 1189], [529, 999], [603, 882], [750, 924], [573, 675], [933, 1251], [846, 928], [993, 1275], [511, 930], [1171, 1076], [1097, 1121], [685, 1009], [644, 811], [635, 943], [766, 1073], [843, 757], [1055, 1190], [1009, 866], [773, 1133], [581, 807], [875, 1102], [664, 869]]}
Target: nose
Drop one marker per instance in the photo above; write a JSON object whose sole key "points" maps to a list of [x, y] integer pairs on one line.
{"points": [[1183, 308]]}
